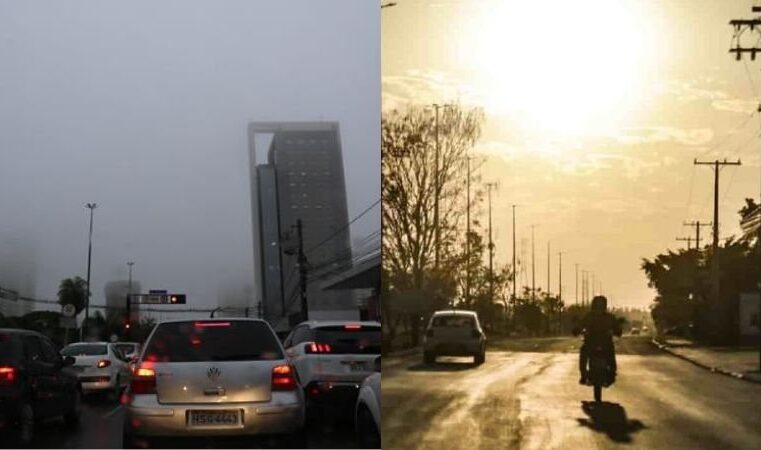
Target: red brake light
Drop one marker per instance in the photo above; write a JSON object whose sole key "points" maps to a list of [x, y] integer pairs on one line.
{"points": [[283, 378], [7, 374], [315, 347], [211, 324], [143, 380], [352, 326], [103, 363], [195, 341]]}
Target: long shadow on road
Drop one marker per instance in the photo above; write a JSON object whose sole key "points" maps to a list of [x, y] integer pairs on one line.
{"points": [[442, 367], [610, 418]]}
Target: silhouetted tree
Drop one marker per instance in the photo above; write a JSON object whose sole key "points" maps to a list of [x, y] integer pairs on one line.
{"points": [[74, 291]]}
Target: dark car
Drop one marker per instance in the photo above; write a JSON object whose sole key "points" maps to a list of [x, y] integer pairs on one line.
{"points": [[34, 384]]}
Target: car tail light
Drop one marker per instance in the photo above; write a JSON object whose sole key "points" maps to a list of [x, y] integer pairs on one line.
{"points": [[429, 333], [7, 374], [316, 347], [143, 381], [283, 378], [103, 363], [352, 327], [211, 324]]}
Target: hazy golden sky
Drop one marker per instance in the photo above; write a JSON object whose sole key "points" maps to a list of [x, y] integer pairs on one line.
{"points": [[595, 112]]}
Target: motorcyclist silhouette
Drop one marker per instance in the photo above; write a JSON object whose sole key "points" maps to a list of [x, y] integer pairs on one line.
{"points": [[598, 326]]}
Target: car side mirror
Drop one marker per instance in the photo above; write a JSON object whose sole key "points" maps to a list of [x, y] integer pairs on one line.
{"points": [[68, 361], [377, 364]]}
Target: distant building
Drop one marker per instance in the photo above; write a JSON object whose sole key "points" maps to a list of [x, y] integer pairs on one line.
{"points": [[17, 276], [116, 299], [301, 179]]}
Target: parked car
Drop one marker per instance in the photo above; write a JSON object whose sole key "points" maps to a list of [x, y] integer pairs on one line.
{"points": [[634, 331], [367, 416], [454, 333], [332, 358], [218, 377], [100, 366], [34, 384]]}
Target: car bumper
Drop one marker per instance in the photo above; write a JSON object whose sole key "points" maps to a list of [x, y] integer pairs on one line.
{"points": [[284, 413], [333, 392], [453, 348], [96, 383]]}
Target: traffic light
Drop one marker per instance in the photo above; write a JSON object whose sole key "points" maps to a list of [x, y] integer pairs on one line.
{"points": [[177, 299]]}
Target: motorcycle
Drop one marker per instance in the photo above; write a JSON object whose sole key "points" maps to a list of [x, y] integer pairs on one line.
{"points": [[599, 370]]}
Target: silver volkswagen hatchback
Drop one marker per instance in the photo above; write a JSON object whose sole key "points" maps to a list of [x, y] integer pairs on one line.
{"points": [[219, 377]]}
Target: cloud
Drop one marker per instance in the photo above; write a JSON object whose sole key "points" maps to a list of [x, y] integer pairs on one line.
{"points": [[736, 105], [423, 87], [649, 135]]}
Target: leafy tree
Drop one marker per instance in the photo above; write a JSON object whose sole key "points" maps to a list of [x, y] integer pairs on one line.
{"points": [[74, 291]]}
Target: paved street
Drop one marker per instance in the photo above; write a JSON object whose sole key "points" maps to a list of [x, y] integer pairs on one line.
{"points": [[527, 396], [101, 427]]}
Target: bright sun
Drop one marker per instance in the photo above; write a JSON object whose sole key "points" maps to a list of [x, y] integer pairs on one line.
{"points": [[565, 67]]}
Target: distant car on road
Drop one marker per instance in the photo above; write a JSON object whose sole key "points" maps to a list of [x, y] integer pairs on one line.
{"points": [[100, 366], [332, 359], [34, 384], [367, 416], [634, 331], [454, 333], [218, 377]]}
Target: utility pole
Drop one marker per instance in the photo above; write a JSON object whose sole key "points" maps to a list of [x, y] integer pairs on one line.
{"points": [[467, 236], [83, 330], [437, 188], [560, 292], [697, 226], [515, 273], [593, 286], [533, 266], [302, 262], [715, 257], [128, 322], [688, 239], [489, 187], [577, 283], [549, 290], [740, 26]]}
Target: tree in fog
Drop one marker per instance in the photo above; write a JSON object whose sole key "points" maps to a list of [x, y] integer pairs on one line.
{"points": [[74, 291]]}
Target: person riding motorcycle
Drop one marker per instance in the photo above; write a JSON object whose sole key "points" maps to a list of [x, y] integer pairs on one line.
{"points": [[598, 326]]}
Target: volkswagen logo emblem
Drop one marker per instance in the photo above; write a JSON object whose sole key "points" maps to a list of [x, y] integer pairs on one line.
{"points": [[213, 373]]}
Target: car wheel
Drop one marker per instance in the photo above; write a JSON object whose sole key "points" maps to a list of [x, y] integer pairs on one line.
{"points": [[367, 432], [480, 358], [26, 424], [429, 357], [72, 416]]}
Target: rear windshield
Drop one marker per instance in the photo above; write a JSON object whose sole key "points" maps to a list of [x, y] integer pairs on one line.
{"points": [[84, 350], [213, 341], [8, 347], [365, 340], [126, 348], [454, 321]]}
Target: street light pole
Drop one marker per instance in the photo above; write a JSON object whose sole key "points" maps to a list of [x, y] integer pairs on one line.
{"points": [[128, 321], [83, 331]]}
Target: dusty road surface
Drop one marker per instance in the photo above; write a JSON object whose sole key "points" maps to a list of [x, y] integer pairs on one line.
{"points": [[527, 396]]}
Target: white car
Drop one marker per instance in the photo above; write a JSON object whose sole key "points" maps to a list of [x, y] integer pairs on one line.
{"points": [[454, 333], [367, 416], [100, 367], [332, 359]]}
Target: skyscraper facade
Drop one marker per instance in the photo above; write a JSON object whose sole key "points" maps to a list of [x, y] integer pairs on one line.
{"points": [[302, 179]]}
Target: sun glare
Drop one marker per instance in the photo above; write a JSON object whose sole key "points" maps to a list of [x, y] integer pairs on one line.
{"points": [[565, 67]]}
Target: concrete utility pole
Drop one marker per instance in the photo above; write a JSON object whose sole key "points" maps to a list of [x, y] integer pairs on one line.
{"points": [[302, 262], [489, 187], [697, 226], [688, 239], [740, 26], [549, 291], [560, 291], [533, 266], [467, 236], [715, 291], [437, 188], [83, 330], [577, 284], [128, 321], [515, 276]]}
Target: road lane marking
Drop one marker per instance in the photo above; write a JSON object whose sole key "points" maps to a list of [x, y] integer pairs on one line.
{"points": [[110, 413]]}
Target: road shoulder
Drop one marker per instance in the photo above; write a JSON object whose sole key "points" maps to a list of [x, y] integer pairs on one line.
{"points": [[705, 359]]}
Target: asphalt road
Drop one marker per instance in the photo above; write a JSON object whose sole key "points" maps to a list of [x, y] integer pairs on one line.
{"points": [[101, 427], [527, 396]]}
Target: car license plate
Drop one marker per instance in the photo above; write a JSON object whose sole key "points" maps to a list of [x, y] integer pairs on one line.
{"points": [[214, 418]]}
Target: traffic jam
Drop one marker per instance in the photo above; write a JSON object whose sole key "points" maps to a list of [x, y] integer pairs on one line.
{"points": [[211, 378]]}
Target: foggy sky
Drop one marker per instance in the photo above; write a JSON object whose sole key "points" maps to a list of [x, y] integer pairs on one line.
{"points": [[142, 107]]}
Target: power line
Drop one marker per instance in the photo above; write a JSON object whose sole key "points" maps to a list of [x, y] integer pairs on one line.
{"points": [[345, 227]]}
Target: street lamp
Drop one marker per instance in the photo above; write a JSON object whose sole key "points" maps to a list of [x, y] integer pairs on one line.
{"points": [[83, 332]]}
